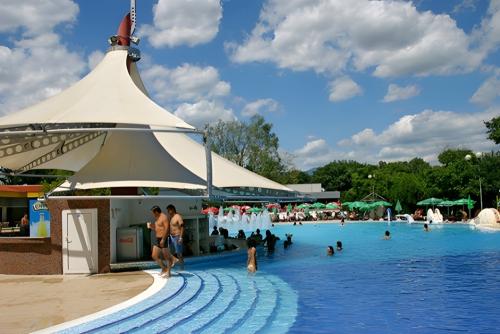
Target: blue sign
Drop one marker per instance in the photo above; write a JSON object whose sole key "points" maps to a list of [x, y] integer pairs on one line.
{"points": [[39, 219]]}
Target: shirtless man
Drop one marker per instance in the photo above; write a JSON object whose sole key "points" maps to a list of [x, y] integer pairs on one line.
{"points": [[176, 232], [161, 228]]}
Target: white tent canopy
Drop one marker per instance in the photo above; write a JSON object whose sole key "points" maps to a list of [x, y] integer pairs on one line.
{"points": [[106, 95], [102, 159], [225, 173], [133, 159]]}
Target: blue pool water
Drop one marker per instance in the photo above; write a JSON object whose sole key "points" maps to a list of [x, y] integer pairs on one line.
{"points": [[443, 281]]}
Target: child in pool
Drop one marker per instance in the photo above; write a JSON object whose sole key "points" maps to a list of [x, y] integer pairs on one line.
{"points": [[252, 255]]}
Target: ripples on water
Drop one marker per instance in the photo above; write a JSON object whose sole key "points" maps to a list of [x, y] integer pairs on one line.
{"points": [[445, 281]]}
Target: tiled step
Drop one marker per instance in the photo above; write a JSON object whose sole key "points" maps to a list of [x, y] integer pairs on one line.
{"points": [[220, 304], [210, 301], [243, 302], [176, 284], [257, 317], [210, 289], [192, 289], [286, 309]]}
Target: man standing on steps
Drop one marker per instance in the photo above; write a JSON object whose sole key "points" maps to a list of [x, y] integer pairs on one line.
{"points": [[161, 228], [176, 233]]}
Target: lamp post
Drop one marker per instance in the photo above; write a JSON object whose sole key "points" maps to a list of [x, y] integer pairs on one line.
{"points": [[372, 176], [479, 155]]}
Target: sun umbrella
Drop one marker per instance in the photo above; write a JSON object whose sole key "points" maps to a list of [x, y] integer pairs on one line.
{"points": [[332, 206], [447, 203], [464, 201], [214, 210], [318, 205], [303, 206], [246, 207], [382, 203], [430, 201], [272, 205], [254, 210], [228, 209], [398, 207]]}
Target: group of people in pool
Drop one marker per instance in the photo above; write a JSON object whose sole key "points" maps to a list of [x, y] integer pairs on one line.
{"points": [[330, 251], [387, 234]]}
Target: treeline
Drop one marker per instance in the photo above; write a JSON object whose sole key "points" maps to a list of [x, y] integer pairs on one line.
{"points": [[254, 146], [411, 181]]}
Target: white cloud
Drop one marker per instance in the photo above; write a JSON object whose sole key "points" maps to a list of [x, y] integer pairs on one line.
{"points": [[94, 59], [183, 22], [423, 135], [316, 152], [344, 88], [487, 36], [397, 93], [391, 37], [465, 5], [204, 112], [259, 107], [38, 65], [36, 17], [487, 93], [185, 83]]}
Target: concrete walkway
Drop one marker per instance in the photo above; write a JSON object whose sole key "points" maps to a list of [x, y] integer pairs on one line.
{"points": [[29, 303]]}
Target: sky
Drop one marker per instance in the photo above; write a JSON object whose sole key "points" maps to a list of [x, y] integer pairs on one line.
{"points": [[358, 80]]}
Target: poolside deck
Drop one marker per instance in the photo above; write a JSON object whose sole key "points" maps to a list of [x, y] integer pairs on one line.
{"points": [[30, 303]]}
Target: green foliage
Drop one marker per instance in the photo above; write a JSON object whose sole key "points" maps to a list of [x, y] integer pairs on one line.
{"points": [[251, 145], [451, 156], [414, 180], [493, 131]]}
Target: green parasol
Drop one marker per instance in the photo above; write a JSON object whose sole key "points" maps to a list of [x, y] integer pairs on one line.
{"points": [[465, 201], [430, 201], [254, 210], [228, 209], [303, 206], [382, 203], [318, 205], [398, 207], [446, 203], [331, 206]]}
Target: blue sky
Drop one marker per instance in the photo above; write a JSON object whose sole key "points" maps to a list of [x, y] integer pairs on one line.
{"points": [[358, 79]]}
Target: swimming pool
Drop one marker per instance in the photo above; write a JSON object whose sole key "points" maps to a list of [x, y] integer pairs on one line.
{"points": [[443, 281]]}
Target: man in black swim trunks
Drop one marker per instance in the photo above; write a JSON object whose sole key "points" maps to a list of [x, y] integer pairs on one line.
{"points": [[161, 228]]}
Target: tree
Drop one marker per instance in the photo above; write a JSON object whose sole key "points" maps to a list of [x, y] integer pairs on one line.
{"points": [[493, 131], [251, 145], [449, 156]]}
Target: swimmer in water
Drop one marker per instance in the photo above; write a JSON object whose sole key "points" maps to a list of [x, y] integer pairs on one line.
{"points": [[330, 251], [387, 235], [252, 256]]}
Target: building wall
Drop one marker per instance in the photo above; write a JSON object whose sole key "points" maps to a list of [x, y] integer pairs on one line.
{"points": [[44, 256], [306, 187]]}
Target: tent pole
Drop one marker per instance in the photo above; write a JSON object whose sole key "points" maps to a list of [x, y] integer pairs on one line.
{"points": [[208, 157], [85, 130]]}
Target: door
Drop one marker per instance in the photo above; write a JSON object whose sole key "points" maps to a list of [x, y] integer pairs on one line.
{"points": [[79, 241]]}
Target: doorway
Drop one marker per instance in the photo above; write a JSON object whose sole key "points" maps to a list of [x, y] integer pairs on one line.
{"points": [[79, 232]]}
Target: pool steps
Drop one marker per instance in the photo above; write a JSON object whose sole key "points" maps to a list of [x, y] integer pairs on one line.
{"points": [[206, 301]]}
